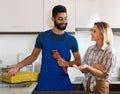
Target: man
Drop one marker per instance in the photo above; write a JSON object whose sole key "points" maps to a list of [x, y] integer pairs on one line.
{"points": [[52, 77]]}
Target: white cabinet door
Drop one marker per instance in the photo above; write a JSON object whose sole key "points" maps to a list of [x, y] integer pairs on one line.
{"points": [[69, 4], [21, 15]]}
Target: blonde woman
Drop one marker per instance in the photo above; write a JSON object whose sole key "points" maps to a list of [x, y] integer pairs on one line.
{"points": [[98, 60]]}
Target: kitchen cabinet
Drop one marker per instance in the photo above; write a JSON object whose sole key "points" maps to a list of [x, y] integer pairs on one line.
{"points": [[113, 87], [78, 89], [21, 15], [32, 16], [69, 4], [90, 11]]}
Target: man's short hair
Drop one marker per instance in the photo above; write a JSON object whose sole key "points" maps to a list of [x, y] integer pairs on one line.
{"points": [[58, 9]]}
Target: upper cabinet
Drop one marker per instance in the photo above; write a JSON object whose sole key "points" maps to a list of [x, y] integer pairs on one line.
{"points": [[32, 15], [48, 6], [21, 15], [90, 11], [35, 15]]}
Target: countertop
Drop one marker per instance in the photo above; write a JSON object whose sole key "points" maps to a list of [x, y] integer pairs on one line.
{"points": [[21, 90], [28, 90], [113, 80]]}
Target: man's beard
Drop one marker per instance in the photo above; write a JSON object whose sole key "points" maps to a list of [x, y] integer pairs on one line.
{"points": [[58, 26]]}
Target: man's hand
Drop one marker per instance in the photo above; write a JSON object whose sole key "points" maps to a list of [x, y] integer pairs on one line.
{"points": [[13, 70], [82, 68], [62, 62]]}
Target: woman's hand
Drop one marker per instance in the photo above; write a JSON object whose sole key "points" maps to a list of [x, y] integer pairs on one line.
{"points": [[99, 67]]}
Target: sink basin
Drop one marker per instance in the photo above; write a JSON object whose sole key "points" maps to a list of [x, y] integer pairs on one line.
{"points": [[18, 85]]}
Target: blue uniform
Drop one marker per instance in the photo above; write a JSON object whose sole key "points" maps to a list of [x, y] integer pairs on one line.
{"points": [[52, 76]]}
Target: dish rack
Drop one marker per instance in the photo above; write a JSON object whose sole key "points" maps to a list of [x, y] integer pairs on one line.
{"points": [[20, 77]]}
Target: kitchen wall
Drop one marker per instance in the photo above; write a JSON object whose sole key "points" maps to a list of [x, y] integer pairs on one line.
{"points": [[13, 45]]}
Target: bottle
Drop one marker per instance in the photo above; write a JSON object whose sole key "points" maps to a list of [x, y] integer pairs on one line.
{"points": [[30, 67], [0, 69]]}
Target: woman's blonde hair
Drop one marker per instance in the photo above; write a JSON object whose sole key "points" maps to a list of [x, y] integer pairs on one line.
{"points": [[106, 31]]}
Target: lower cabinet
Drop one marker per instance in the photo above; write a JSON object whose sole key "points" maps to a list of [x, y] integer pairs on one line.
{"points": [[79, 89], [115, 87]]}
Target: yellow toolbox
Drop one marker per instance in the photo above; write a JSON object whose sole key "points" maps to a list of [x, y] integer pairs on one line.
{"points": [[20, 77]]}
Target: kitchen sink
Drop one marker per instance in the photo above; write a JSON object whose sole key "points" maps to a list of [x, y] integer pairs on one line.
{"points": [[17, 85]]}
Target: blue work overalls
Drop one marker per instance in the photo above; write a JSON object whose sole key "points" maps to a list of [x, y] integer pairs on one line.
{"points": [[52, 76]]}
